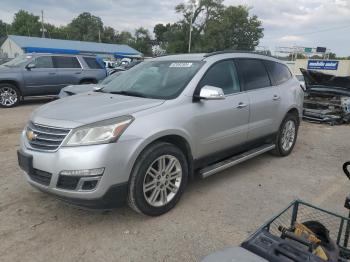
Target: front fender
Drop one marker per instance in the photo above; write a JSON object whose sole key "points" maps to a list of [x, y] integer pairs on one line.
{"points": [[157, 135]]}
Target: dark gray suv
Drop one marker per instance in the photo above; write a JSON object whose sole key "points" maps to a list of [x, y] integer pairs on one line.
{"points": [[45, 74]]}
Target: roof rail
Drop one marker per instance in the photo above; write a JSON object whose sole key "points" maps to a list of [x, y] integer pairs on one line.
{"points": [[235, 51]]}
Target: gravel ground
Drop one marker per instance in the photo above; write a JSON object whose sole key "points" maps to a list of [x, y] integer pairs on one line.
{"points": [[214, 213]]}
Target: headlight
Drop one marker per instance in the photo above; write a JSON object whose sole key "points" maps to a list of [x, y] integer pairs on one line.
{"points": [[106, 131]]}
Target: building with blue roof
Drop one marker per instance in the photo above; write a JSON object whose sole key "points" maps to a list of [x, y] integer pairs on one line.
{"points": [[15, 45]]}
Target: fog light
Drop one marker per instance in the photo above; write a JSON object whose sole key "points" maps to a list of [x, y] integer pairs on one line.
{"points": [[83, 172], [89, 185]]}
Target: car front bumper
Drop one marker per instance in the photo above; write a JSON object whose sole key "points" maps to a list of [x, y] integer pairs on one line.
{"points": [[111, 187]]}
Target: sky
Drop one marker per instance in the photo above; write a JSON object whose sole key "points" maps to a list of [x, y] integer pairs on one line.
{"points": [[286, 23]]}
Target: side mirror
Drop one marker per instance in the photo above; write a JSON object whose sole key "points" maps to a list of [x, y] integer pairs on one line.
{"points": [[98, 88], [211, 93], [30, 66]]}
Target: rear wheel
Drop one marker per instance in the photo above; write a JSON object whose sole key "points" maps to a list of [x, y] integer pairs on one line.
{"points": [[287, 135], [9, 95], [158, 179]]}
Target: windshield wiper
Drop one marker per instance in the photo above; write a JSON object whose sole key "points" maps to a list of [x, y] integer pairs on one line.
{"points": [[128, 93]]}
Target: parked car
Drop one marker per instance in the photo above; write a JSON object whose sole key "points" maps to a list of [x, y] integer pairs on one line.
{"points": [[45, 74], [327, 97], [123, 67], [109, 64], [301, 80], [144, 135], [77, 89]]}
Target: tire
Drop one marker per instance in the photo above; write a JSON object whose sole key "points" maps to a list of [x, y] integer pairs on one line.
{"points": [[146, 186], [10, 95], [285, 142]]}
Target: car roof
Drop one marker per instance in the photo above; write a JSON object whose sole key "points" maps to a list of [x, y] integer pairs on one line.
{"points": [[215, 55], [189, 57], [55, 54]]}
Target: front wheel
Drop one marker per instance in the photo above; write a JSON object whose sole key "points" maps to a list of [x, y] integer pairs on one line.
{"points": [[9, 95], [158, 179], [287, 135]]}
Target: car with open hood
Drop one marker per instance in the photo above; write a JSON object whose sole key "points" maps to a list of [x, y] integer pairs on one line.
{"points": [[327, 97]]}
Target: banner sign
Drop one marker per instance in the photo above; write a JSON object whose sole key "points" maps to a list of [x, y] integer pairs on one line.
{"points": [[322, 64], [320, 49]]}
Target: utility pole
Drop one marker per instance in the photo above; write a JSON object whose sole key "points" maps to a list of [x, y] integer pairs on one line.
{"points": [[190, 37], [42, 24], [99, 35], [193, 5]]}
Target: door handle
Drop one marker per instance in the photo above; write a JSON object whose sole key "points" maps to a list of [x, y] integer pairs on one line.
{"points": [[241, 105], [276, 97], [52, 73], [78, 73]]}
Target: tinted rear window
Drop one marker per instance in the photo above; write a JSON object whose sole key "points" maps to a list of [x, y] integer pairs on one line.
{"points": [[66, 62], [253, 73], [92, 63], [279, 73]]}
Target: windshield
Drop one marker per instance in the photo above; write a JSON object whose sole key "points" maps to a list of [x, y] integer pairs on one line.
{"points": [[154, 79], [109, 78], [18, 61]]}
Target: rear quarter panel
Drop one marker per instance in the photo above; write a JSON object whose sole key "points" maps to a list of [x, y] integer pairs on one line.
{"points": [[292, 96]]}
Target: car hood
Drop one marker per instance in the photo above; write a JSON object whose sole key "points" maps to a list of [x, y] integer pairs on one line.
{"points": [[315, 78], [77, 89], [74, 111], [5, 69]]}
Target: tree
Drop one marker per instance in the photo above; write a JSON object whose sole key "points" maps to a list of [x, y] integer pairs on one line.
{"points": [[86, 27], [142, 41], [4, 28], [215, 27], [332, 55], [25, 23], [296, 56], [234, 29], [201, 13], [61, 32], [159, 30], [109, 35], [125, 38]]}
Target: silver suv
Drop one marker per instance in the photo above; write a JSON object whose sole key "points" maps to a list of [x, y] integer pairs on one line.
{"points": [[146, 133], [46, 74]]}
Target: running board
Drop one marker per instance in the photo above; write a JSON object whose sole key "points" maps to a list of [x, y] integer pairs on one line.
{"points": [[220, 166]]}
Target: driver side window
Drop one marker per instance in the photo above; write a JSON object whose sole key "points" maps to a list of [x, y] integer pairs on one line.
{"points": [[44, 62], [223, 75]]}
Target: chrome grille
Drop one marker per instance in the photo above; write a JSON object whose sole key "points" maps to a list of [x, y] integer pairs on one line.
{"points": [[45, 137]]}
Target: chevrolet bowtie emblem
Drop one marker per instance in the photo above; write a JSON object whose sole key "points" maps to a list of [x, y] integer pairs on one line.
{"points": [[31, 135]]}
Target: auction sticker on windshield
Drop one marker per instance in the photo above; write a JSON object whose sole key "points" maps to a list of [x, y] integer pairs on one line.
{"points": [[180, 64]]}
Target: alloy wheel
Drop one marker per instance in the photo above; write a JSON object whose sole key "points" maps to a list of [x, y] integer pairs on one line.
{"points": [[288, 135], [8, 96], [162, 180]]}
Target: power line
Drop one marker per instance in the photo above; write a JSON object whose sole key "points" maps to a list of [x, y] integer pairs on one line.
{"points": [[324, 30], [317, 31]]}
